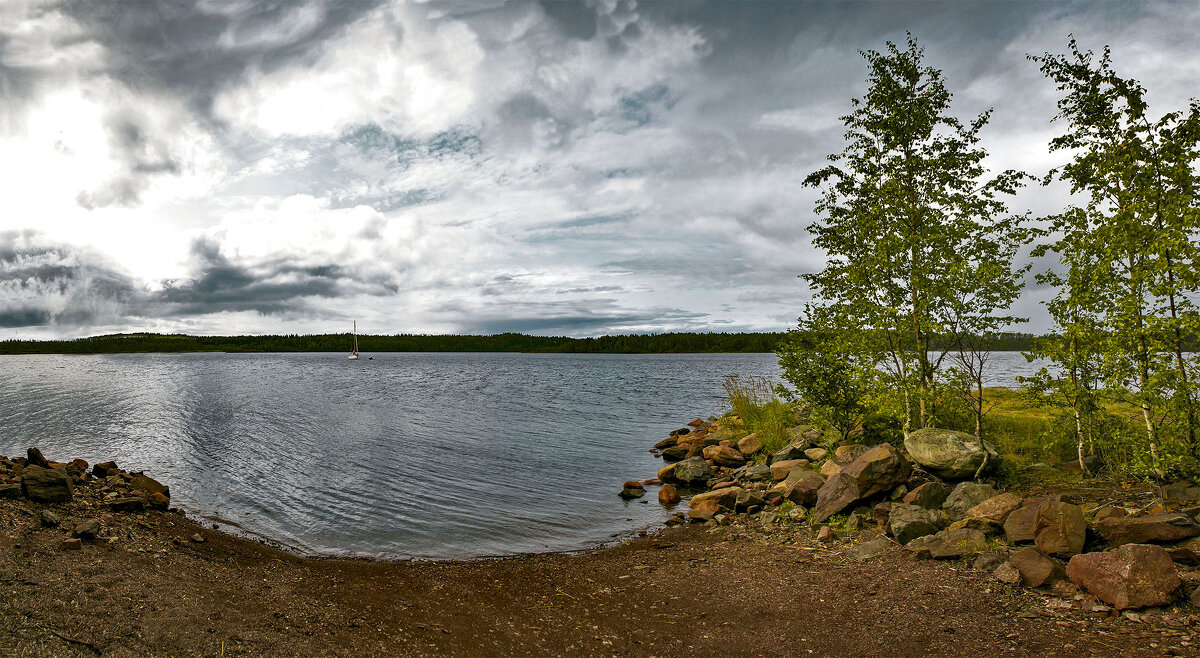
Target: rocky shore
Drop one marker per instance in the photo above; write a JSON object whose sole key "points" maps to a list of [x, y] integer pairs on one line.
{"points": [[85, 571]]}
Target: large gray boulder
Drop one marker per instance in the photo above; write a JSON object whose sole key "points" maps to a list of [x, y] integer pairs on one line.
{"points": [[965, 496], [693, 470], [907, 522], [949, 454]]}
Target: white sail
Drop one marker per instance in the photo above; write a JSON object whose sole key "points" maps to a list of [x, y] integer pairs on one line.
{"points": [[354, 352]]}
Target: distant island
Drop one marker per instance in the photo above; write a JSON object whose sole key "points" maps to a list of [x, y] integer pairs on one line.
{"points": [[666, 343]]}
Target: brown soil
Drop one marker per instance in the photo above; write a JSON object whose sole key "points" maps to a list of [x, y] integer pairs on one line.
{"points": [[152, 590]]}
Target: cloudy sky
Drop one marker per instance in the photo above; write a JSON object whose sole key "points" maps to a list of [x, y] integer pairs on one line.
{"points": [[616, 166]]}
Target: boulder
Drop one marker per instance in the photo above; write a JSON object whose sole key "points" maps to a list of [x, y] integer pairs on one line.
{"points": [[949, 454], [1171, 526], [830, 469], [693, 470], [996, 508], [950, 543], [803, 490], [726, 497], [34, 458], [724, 455], [748, 501], [753, 473], [1021, 524], [704, 511], [1060, 530], [988, 561], [158, 501], [46, 485], [965, 496], [10, 491], [786, 453], [87, 530], [681, 431], [825, 535], [666, 472], [49, 519], [930, 495], [907, 522], [815, 454], [668, 496], [876, 470], [127, 504], [1132, 576], [1181, 491], [1108, 511], [1007, 573], [697, 422], [1035, 568], [880, 514], [667, 442], [676, 452], [628, 492], [986, 526], [105, 469], [780, 469], [750, 444]]}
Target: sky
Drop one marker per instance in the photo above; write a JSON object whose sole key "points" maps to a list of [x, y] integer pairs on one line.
{"points": [[454, 166]]}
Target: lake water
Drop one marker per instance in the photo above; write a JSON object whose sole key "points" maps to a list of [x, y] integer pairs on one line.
{"points": [[428, 455]]}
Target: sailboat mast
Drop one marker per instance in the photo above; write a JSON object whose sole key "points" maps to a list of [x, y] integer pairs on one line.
{"points": [[356, 335]]}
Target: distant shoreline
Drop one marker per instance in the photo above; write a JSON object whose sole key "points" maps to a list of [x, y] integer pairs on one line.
{"points": [[667, 343]]}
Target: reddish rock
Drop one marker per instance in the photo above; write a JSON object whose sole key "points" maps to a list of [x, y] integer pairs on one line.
{"points": [[77, 467], [815, 454], [880, 513], [830, 469], [666, 472], [804, 490], [879, 469], [696, 423], [996, 508], [725, 498], [1132, 576], [1035, 568], [1021, 524], [158, 501], [724, 456], [1060, 529], [725, 484], [952, 543], [35, 458], [930, 495], [72, 545], [749, 445], [667, 442], [668, 496], [1171, 526], [705, 510], [825, 535], [780, 470], [105, 469], [652, 482], [1109, 512], [633, 484]]}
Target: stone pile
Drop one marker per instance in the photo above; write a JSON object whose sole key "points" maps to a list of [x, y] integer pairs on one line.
{"points": [[59, 484], [1121, 558]]}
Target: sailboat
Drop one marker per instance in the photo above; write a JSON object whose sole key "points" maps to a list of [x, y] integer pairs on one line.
{"points": [[354, 352]]}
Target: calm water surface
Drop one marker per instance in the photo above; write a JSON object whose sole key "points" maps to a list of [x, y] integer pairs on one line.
{"points": [[430, 455]]}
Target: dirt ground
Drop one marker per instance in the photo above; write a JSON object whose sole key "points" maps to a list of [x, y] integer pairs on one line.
{"points": [[153, 590]]}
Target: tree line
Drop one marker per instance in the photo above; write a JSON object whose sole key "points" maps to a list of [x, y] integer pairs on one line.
{"points": [[921, 261]]}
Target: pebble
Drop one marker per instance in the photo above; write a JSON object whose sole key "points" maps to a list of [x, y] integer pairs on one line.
{"points": [[198, 538]]}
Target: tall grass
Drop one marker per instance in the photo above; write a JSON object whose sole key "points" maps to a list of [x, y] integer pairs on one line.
{"points": [[753, 401]]}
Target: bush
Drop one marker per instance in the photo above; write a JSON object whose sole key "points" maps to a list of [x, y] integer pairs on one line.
{"points": [[753, 400]]}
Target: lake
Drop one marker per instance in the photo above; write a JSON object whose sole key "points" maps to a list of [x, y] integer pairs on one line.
{"points": [[417, 455]]}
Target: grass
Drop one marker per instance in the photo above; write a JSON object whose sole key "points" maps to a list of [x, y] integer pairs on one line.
{"points": [[753, 402]]}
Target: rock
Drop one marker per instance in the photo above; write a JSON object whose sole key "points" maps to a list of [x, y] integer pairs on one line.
{"points": [[724, 456], [71, 545], [693, 470], [986, 526], [830, 469], [1108, 512], [797, 514], [1182, 490], [725, 498], [854, 523], [780, 469], [876, 470], [629, 493], [948, 544], [825, 535], [1043, 471], [77, 467], [988, 561], [1132, 576], [753, 473], [668, 496], [652, 482], [1171, 526], [750, 444], [87, 530], [10, 491], [668, 442], [46, 485], [666, 472], [930, 495], [1007, 573], [848, 453], [1035, 568], [965, 496], [105, 469], [748, 500], [696, 422], [198, 538], [868, 550], [1021, 524], [907, 522], [815, 454], [681, 431], [898, 493], [703, 511], [676, 452], [1061, 529], [949, 454], [880, 514], [49, 519], [34, 458], [804, 490], [127, 504], [996, 508], [786, 453]]}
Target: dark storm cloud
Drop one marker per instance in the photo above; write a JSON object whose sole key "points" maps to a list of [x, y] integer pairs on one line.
{"points": [[271, 287], [44, 283]]}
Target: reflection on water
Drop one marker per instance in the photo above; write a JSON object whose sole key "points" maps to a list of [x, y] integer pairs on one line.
{"points": [[427, 455]]}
